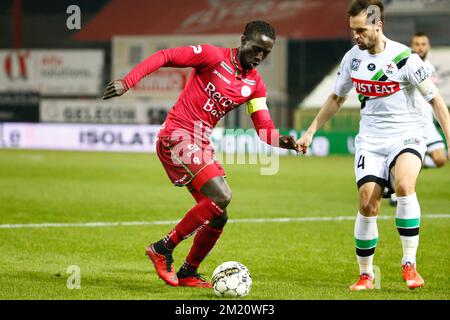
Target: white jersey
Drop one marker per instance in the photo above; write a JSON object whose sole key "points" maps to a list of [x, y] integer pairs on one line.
{"points": [[427, 110], [434, 139], [386, 83]]}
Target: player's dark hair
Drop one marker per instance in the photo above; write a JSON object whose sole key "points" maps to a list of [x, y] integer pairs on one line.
{"points": [[259, 26], [358, 6], [420, 34]]}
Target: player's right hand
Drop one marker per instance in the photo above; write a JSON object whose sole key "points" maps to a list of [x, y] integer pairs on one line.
{"points": [[305, 141], [114, 89]]}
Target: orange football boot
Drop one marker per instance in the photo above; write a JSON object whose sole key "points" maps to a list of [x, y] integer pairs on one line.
{"points": [[193, 280], [163, 265], [411, 276], [365, 282]]}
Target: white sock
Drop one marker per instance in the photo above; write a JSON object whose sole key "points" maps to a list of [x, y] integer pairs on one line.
{"points": [[410, 245], [408, 222], [366, 239], [365, 265]]}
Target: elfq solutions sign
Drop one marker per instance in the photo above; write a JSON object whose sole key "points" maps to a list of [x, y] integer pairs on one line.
{"points": [[52, 72]]}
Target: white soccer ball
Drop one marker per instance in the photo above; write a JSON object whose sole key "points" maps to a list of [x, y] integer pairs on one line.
{"points": [[231, 279]]}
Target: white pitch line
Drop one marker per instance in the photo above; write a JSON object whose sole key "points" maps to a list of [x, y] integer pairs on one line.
{"points": [[171, 222]]}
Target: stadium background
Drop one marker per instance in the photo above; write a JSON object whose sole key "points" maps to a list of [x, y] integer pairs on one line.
{"points": [[52, 78], [53, 74]]}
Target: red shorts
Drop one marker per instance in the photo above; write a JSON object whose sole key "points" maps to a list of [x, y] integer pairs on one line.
{"points": [[187, 163]]}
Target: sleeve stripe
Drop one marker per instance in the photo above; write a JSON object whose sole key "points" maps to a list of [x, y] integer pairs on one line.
{"points": [[256, 105]]}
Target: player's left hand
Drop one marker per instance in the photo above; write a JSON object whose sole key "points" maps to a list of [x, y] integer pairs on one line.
{"points": [[114, 89], [288, 142]]}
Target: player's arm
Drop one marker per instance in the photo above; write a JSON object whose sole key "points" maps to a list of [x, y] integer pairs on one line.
{"points": [[334, 102], [329, 109], [443, 117], [262, 121], [197, 56], [416, 73]]}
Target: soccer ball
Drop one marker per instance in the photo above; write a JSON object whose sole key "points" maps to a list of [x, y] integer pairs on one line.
{"points": [[232, 280]]}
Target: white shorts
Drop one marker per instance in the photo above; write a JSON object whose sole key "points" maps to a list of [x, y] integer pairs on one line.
{"points": [[434, 139], [375, 157]]}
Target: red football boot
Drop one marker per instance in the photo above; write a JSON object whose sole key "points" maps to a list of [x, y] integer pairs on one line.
{"points": [[411, 276], [163, 265], [365, 282], [193, 280]]}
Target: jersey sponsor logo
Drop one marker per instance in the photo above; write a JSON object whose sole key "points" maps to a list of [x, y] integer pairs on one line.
{"points": [[371, 67], [390, 69], [246, 91], [355, 64], [375, 88], [217, 73], [250, 82], [197, 49], [217, 98], [421, 74], [226, 67]]}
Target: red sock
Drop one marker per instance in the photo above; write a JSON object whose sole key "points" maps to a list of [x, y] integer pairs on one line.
{"points": [[204, 242], [194, 219]]}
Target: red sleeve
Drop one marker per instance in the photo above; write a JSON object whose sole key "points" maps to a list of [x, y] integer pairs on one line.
{"points": [[198, 56], [265, 128], [261, 89]]}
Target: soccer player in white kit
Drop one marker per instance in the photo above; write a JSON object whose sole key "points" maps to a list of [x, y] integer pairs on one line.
{"points": [[391, 81], [435, 155]]}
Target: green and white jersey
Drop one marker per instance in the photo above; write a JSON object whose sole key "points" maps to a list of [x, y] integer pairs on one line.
{"points": [[388, 85]]}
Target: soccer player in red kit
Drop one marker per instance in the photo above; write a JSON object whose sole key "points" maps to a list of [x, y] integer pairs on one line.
{"points": [[221, 80]]}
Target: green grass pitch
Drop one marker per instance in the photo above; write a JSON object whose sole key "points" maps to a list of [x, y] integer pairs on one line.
{"points": [[288, 260]]}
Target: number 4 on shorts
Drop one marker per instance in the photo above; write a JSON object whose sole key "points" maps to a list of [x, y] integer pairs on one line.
{"points": [[361, 162]]}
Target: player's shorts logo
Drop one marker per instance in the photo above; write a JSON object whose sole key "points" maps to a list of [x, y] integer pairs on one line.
{"points": [[371, 67], [246, 91], [415, 141], [355, 64]]}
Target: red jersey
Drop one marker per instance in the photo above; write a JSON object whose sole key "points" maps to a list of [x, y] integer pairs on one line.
{"points": [[216, 85]]}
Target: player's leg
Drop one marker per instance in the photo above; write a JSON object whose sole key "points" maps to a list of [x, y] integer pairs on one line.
{"points": [[217, 190], [181, 171], [438, 158], [197, 218], [436, 155], [366, 233], [371, 173], [405, 172]]}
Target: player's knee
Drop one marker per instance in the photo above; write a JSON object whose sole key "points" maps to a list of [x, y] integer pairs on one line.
{"points": [[404, 188], [218, 222], [223, 198], [440, 161], [369, 206]]}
